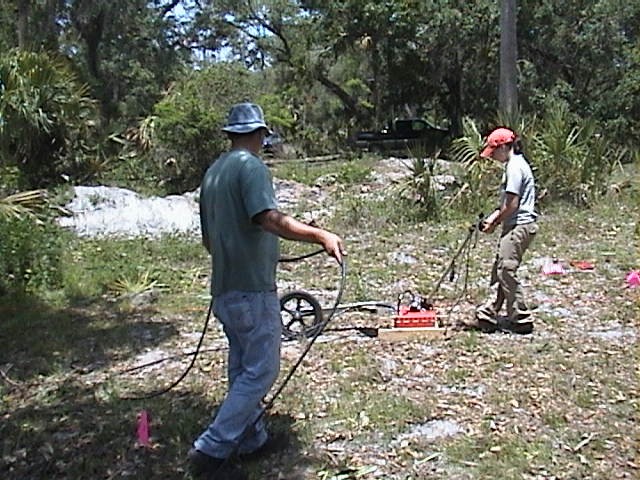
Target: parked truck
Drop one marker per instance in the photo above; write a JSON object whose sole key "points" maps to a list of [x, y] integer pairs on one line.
{"points": [[402, 135]]}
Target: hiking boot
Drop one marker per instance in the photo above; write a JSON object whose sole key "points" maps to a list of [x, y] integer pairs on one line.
{"points": [[520, 321], [210, 468], [522, 328], [486, 312], [484, 325], [486, 318], [521, 315], [276, 442]]}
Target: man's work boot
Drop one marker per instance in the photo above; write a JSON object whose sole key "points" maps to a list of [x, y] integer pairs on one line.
{"points": [[276, 442], [203, 466]]}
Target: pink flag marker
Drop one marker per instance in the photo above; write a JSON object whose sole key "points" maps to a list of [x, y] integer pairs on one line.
{"points": [[553, 267], [143, 428], [633, 279]]}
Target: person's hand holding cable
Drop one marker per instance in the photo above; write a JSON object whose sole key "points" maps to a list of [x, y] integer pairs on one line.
{"points": [[288, 227], [333, 245], [510, 205], [488, 225]]}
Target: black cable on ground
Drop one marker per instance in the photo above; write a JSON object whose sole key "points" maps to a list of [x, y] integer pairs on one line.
{"points": [[187, 370], [201, 340], [166, 359]]}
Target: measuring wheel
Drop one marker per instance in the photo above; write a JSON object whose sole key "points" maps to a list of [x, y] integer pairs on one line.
{"points": [[301, 315]]}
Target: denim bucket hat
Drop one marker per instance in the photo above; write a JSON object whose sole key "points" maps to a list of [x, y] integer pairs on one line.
{"points": [[245, 118]]}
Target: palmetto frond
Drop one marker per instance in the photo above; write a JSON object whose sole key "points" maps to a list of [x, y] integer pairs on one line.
{"points": [[466, 149], [22, 204]]}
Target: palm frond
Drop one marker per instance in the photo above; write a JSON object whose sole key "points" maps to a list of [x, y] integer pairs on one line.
{"points": [[466, 149], [134, 286], [22, 204]]}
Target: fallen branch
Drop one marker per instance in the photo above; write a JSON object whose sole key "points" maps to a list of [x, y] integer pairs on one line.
{"points": [[583, 442], [320, 159], [3, 375]]}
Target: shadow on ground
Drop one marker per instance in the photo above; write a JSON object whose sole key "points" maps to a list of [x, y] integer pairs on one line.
{"points": [[39, 340], [73, 432], [61, 407]]}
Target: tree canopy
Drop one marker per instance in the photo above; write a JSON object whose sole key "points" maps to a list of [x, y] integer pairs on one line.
{"points": [[329, 68]]}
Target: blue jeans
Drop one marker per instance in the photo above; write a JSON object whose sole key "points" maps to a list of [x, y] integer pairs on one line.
{"points": [[252, 324]]}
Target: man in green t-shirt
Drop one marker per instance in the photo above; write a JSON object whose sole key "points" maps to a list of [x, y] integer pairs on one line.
{"points": [[241, 226]]}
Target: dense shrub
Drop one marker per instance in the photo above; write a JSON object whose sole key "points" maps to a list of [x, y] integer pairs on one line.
{"points": [[31, 253], [187, 122], [46, 119], [172, 148], [572, 158]]}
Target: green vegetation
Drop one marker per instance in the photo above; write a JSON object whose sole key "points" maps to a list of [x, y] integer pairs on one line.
{"points": [[186, 123], [344, 173], [46, 120], [573, 160], [97, 267], [132, 93], [31, 246], [30, 254]]}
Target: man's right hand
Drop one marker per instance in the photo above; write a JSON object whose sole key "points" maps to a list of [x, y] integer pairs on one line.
{"points": [[333, 245]]}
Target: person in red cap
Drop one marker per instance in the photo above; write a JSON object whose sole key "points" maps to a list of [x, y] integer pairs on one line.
{"points": [[516, 213]]}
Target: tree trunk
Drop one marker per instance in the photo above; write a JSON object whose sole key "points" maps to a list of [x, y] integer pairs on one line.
{"points": [[454, 98], [508, 89], [90, 25], [23, 23], [376, 86], [50, 30], [350, 104]]}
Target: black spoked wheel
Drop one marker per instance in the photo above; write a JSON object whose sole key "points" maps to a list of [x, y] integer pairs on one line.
{"points": [[301, 315]]}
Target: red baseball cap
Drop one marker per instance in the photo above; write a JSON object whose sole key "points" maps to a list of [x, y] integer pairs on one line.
{"points": [[500, 136]]}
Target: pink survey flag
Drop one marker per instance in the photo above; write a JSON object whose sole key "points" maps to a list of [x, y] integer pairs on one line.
{"points": [[143, 428], [633, 279], [553, 267]]}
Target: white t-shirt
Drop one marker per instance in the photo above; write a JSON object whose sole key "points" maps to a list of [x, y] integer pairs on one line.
{"points": [[518, 179]]}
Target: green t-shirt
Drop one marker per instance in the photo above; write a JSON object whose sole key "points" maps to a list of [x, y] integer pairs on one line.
{"points": [[235, 188]]}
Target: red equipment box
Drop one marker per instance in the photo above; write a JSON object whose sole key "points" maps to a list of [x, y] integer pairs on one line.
{"points": [[416, 318]]}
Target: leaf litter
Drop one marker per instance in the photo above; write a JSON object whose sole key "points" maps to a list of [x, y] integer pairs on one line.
{"points": [[559, 403]]}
